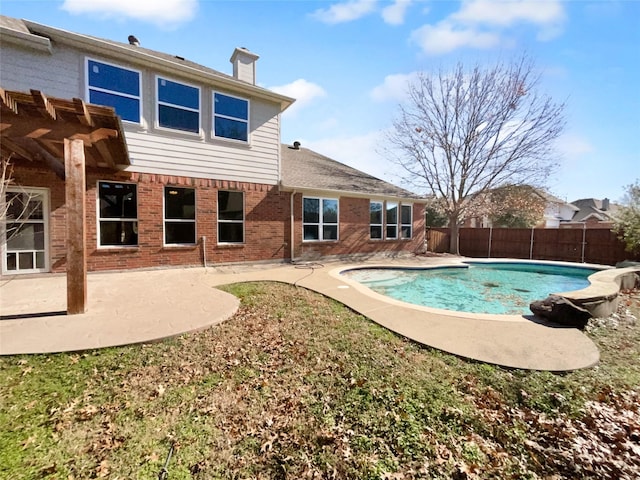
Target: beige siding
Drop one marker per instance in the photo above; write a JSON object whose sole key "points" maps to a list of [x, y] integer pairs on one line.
{"points": [[58, 75], [154, 150]]}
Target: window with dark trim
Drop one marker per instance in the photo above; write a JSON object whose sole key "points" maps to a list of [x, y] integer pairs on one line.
{"points": [[391, 219], [179, 216], [406, 222], [116, 87], [230, 217], [375, 220], [178, 105], [117, 214], [319, 219], [230, 117]]}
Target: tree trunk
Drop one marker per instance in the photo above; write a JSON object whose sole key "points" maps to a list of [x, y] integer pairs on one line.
{"points": [[454, 236]]}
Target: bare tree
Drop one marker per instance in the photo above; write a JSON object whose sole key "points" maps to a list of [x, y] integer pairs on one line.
{"points": [[16, 205], [463, 133]]}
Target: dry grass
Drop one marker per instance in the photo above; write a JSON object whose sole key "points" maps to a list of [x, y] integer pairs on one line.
{"points": [[297, 386]]}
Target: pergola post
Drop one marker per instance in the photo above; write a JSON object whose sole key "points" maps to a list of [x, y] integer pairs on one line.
{"points": [[74, 165]]}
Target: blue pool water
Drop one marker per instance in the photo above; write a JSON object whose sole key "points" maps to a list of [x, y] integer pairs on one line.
{"points": [[497, 288]]}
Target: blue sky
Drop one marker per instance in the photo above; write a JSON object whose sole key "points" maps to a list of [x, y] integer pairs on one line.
{"points": [[347, 63]]}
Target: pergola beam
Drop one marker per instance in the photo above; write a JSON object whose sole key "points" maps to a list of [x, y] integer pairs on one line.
{"points": [[44, 106], [7, 101], [82, 112]]}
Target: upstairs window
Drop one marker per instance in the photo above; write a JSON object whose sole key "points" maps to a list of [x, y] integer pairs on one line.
{"points": [[116, 87], [179, 216], [392, 220], [375, 220], [117, 214], [319, 219], [178, 106], [406, 222], [230, 117], [230, 217]]}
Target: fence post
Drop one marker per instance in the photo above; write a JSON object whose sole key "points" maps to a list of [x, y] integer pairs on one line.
{"points": [[531, 247], [584, 238], [490, 234]]}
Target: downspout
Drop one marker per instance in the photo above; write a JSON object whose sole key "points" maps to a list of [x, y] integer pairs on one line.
{"points": [[291, 239], [204, 251]]}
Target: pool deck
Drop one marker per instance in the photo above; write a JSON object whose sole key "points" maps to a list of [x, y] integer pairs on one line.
{"points": [[144, 306]]}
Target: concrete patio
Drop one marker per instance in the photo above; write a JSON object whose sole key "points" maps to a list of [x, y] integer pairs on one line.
{"points": [[143, 306]]}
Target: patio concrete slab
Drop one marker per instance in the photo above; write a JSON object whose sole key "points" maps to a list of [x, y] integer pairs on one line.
{"points": [[142, 306], [123, 308]]}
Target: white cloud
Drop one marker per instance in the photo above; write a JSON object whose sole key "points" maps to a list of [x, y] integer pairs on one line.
{"points": [[394, 87], [508, 13], [394, 13], [167, 14], [482, 24], [573, 146], [446, 37], [345, 12], [303, 91]]}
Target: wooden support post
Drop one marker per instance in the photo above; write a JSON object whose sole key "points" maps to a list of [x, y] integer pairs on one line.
{"points": [[76, 227]]}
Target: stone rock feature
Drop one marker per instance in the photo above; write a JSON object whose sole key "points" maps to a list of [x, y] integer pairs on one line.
{"points": [[561, 310]]}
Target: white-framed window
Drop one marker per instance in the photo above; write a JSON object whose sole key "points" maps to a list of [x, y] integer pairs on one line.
{"points": [[391, 220], [230, 216], [178, 105], [375, 220], [24, 231], [406, 222], [230, 117], [117, 214], [115, 86], [387, 217], [179, 216], [319, 219]]}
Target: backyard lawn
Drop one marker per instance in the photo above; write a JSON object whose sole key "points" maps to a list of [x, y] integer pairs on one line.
{"points": [[297, 386]]}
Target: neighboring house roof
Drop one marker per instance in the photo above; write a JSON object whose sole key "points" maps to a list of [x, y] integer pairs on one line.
{"points": [[553, 199], [28, 31], [304, 169], [601, 210]]}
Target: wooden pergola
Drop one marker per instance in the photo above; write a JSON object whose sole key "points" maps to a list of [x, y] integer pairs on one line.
{"points": [[67, 136]]}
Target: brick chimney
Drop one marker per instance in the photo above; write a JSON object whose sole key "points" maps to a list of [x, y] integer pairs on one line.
{"points": [[605, 204], [244, 65]]}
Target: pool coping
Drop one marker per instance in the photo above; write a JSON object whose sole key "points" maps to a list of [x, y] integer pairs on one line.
{"points": [[599, 297]]}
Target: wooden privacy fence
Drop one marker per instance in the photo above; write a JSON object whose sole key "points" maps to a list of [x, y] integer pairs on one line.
{"points": [[590, 245]]}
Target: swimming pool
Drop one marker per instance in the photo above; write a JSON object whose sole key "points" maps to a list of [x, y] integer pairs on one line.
{"points": [[496, 288]]}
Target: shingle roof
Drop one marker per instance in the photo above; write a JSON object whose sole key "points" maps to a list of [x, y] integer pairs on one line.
{"points": [[305, 169], [553, 199], [592, 207]]}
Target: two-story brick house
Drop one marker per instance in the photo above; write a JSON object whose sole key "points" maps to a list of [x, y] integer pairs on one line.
{"points": [[202, 178]]}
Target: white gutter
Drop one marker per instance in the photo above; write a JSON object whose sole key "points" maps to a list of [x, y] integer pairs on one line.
{"points": [[23, 39]]}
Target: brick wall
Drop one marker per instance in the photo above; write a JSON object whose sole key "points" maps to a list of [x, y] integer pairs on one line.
{"points": [[354, 233], [267, 223], [265, 233]]}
